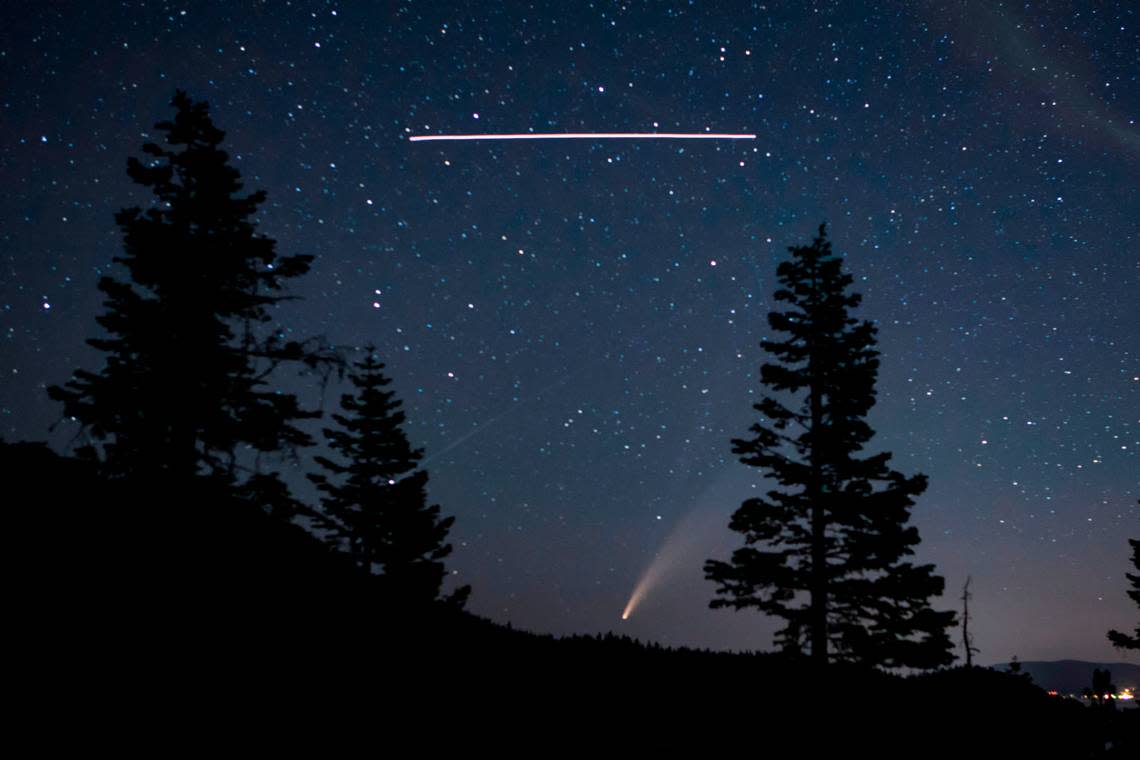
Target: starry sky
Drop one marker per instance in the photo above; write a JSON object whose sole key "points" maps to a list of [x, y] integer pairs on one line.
{"points": [[574, 326]]}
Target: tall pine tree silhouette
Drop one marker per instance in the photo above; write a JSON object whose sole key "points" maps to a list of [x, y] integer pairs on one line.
{"points": [[185, 387], [1119, 639], [375, 497], [825, 549]]}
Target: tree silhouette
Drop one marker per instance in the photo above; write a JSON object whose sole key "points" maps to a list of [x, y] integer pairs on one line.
{"points": [[825, 549], [185, 388], [967, 638], [1123, 640], [375, 497], [1103, 691]]}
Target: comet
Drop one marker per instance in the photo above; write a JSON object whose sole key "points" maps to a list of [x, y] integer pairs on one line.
{"points": [[587, 136], [679, 560], [695, 537], [663, 564], [648, 580]]}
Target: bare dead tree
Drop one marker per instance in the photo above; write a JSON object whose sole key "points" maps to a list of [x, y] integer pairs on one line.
{"points": [[967, 639]]}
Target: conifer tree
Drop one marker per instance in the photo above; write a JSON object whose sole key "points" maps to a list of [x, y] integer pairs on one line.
{"points": [[375, 497], [1119, 639], [185, 387], [826, 548]]}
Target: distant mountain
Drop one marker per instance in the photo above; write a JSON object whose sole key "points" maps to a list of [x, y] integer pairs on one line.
{"points": [[1072, 676]]}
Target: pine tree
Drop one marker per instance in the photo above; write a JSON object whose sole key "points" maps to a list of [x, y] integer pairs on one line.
{"points": [[375, 498], [1119, 639], [185, 386], [825, 550]]}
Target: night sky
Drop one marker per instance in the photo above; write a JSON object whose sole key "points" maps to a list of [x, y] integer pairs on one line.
{"points": [[574, 326]]}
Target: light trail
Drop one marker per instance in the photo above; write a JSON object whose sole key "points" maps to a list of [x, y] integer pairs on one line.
{"points": [[587, 136], [515, 406]]}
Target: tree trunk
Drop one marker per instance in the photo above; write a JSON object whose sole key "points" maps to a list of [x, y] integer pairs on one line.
{"points": [[818, 610], [818, 614]]}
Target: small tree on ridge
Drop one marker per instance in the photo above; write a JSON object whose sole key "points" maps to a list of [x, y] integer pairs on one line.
{"points": [[375, 497]]}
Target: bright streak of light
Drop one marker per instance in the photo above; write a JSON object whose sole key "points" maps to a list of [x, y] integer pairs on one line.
{"points": [[647, 580], [682, 548], [695, 537], [676, 552], [639, 592], [588, 136]]}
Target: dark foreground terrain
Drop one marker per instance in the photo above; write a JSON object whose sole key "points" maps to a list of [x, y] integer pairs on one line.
{"points": [[136, 615]]}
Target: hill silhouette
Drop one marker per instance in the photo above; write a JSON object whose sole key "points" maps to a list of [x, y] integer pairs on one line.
{"points": [[264, 615], [1071, 676]]}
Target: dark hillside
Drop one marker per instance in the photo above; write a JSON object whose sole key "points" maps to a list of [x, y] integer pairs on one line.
{"points": [[237, 609]]}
